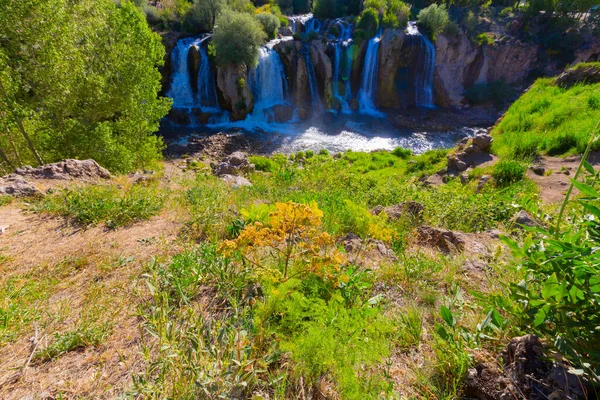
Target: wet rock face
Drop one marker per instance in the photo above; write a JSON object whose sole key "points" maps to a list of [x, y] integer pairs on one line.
{"points": [[236, 96], [461, 63], [296, 71]]}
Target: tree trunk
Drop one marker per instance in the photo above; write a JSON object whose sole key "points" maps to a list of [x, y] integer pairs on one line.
{"points": [[21, 127]]}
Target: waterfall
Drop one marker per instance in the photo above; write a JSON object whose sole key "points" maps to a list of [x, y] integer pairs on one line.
{"points": [[368, 90], [268, 82], [317, 106], [424, 68], [343, 66], [312, 25], [181, 90], [207, 89]]}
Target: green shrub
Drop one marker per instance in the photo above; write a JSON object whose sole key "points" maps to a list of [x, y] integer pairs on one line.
{"points": [[72, 340], [203, 15], [560, 295], [506, 12], [485, 39], [323, 9], [270, 24], [368, 22], [310, 154], [323, 152], [433, 19], [263, 163], [508, 172], [396, 14], [402, 153], [334, 30], [237, 38], [471, 21], [109, 204]]}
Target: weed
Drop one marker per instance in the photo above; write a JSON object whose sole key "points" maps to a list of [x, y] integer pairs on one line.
{"points": [[508, 172], [76, 339]]}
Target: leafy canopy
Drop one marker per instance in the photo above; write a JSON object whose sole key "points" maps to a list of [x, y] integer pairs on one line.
{"points": [[237, 38]]}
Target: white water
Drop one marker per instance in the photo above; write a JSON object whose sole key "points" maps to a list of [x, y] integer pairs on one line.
{"points": [[317, 106], [368, 90], [342, 66], [423, 83], [181, 90], [207, 88], [268, 83]]}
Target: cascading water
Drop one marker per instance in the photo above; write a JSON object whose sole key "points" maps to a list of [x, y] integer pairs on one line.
{"points": [[317, 106], [207, 89], [368, 89], [181, 90], [268, 83], [423, 81], [343, 66], [312, 25]]}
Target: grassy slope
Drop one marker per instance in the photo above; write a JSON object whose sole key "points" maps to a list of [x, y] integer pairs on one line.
{"points": [[549, 120]]}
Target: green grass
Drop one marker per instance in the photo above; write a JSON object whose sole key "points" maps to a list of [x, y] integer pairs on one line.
{"points": [[114, 206], [549, 120], [5, 199], [73, 340]]}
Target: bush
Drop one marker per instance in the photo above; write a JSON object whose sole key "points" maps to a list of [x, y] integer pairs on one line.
{"points": [[485, 39], [396, 15], [237, 38], [402, 153], [328, 9], [433, 19], [263, 163], [270, 24], [323, 152], [368, 22], [471, 21], [203, 15], [508, 172], [109, 204]]}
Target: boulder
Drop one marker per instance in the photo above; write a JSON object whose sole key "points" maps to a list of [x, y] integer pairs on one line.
{"points": [[522, 218], [66, 170], [181, 117], [471, 152], [193, 61], [234, 164], [236, 96], [282, 113], [410, 209], [15, 185], [442, 239], [235, 180], [579, 74]]}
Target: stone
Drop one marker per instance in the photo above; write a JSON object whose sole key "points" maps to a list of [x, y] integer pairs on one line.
{"points": [[482, 182], [235, 180], [237, 159], [16, 186], [482, 141], [232, 82], [282, 113], [443, 239], [460, 165], [579, 74], [538, 169], [3, 229], [410, 209], [180, 117], [522, 218], [464, 178], [65, 170]]}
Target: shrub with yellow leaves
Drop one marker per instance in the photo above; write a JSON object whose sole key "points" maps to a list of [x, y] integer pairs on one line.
{"points": [[291, 244]]}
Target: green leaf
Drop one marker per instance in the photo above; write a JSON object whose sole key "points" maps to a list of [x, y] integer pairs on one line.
{"points": [[588, 167], [551, 287], [540, 316], [447, 316], [587, 190]]}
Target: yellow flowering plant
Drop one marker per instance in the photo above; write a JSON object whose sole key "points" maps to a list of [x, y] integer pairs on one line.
{"points": [[291, 244]]}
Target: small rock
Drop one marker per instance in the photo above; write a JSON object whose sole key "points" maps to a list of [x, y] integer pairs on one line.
{"points": [[538, 169], [460, 165], [236, 181], [443, 239], [3, 229], [66, 170], [522, 218], [15, 185], [482, 182], [482, 141], [464, 178]]}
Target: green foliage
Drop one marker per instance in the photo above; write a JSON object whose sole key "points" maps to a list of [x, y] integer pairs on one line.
{"points": [[495, 93], [79, 107], [265, 164], [508, 172], [5, 199], [82, 337], [433, 19], [237, 38], [203, 15], [270, 24], [560, 295], [368, 22], [396, 15], [109, 204], [471, 21], [548, 119], [485, 39]]}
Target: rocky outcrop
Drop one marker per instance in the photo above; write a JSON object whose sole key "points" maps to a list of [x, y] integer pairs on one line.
{"points": [[444, 240], [587, 74], [193, 61], [65, 170], [234, 91], [461, 63], [393, 60], [14, 185], [409, 209], [292, 57], [234, 164], [471, 152]]}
